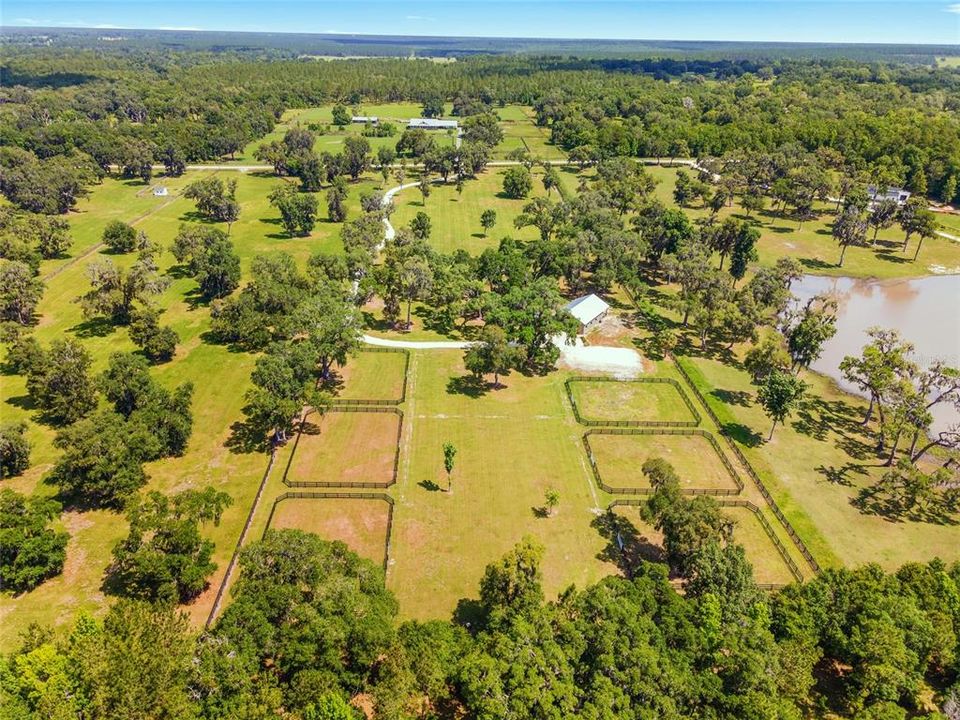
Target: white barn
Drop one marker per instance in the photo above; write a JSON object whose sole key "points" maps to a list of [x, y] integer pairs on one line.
{"points": [[898, 195], [364, 119], [432, 124], [589, 310]]}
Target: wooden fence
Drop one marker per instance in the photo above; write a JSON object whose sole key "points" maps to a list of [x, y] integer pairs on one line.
{"points": [[728, 466], [344, 483], [306, 495], [590, 422]]}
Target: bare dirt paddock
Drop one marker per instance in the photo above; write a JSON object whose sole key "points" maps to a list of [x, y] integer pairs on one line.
{"points": [[341, 448], [360, 523]]}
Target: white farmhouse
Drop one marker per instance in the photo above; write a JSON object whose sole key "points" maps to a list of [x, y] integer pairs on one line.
{"points": [[589, 310], [432, 124]]}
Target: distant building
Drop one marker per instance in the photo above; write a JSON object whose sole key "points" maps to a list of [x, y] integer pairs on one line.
{"points": [[589, 310], [898, 195], [160, 191], [364, 119], [432, 124]]}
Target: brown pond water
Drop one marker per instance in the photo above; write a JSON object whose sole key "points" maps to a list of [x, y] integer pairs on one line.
{"points": [[926, 311]]}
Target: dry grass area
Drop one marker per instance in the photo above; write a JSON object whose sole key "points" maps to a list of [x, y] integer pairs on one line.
{"points": [[346, 447], [630, 400], [360, 523], [620, 458]]}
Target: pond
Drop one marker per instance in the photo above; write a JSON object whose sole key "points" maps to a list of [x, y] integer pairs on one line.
{"points": [[926, 311]]}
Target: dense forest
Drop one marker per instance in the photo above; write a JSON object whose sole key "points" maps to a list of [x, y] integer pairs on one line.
{"points": [[90, 110]]}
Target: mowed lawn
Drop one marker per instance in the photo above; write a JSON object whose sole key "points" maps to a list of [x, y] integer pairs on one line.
{"points": [[621, 457], [512, 445], [455, 218], [630, 400], [812, 244], [360, 523], [220, 378], [345, 447], [371, 374], [815, 466], [768, 564]]}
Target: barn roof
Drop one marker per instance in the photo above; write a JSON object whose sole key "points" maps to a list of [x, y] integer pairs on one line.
{"points": [[588, 308]]}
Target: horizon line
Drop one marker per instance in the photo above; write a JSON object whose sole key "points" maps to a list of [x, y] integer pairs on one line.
{"points": [[335, 33]]}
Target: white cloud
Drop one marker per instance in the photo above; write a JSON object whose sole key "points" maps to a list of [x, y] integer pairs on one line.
{"points": [[28, 21], [180, 29], [420, 18], [955, 8]]}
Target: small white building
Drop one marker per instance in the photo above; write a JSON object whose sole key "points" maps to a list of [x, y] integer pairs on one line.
{"points": [[589, 310], [364, 119], [432, 124], [898, 195], [160, 191]]}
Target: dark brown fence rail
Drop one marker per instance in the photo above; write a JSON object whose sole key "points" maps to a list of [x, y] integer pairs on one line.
{"points": [[380, 401], [306, 495], [734, 448], [764, 523], [728, 466], [592, 422], [350, 484]]}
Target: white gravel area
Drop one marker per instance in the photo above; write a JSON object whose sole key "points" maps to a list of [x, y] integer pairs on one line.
{"points": [[620, 362]]}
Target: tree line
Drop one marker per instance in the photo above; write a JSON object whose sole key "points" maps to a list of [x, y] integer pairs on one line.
{"points": [[312, 632]]}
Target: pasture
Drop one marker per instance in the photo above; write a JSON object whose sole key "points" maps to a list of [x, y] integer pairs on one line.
{"points": [[641, 401], [697, 460], [361, 523]]}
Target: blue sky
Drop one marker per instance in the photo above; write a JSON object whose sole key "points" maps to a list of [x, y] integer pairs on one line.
{"points": [[906, 21]]}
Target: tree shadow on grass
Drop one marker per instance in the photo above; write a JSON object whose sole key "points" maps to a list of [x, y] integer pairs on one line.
{"points": [[94, 327], [246, 437], [896, 507], [732, 397], [626, 547], [817, 418], [816, 264], [468, 385], [838, 475], [469, 614], [429, 486], [742, 434], [540, 512]]}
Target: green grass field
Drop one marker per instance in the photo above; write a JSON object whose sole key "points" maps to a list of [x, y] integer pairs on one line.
{"points": [[768, 565], [815, 466], [513, 443], [643, 401], [371, 375], [620, 457], [813, 246], [455, 219]]}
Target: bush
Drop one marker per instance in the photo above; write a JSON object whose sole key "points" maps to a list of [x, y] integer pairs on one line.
{"points": [[14, 450], [31, 552], [119, 237], [157, 343], [517, 183]]}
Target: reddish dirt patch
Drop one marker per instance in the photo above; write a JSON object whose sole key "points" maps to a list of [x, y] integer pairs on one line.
{"points": [[359, 522], [345, 447]]}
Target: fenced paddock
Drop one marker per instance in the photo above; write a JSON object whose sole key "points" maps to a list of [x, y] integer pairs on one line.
{"points": [[616, 456], [363, 521], [640, 402], [772, 565], [373, 376], [347, 447]]}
